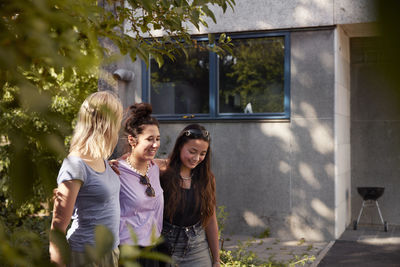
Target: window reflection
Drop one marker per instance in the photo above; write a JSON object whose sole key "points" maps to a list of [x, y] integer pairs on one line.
{"points": [[251, 80], [182, 86]]}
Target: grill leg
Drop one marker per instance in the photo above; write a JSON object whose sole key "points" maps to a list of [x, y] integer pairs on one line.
{"points": [[379, 210], [361, 210]]}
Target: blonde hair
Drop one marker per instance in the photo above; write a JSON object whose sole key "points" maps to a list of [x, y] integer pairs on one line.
{"points": [[99, 121]]}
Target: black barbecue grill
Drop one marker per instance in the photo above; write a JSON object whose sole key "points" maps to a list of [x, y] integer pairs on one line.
{"points": [[370, 195]]}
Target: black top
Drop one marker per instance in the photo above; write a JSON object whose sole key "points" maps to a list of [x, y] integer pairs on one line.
{"points": [[186, 213]]}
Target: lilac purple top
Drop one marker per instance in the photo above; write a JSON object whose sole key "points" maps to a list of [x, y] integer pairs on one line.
{"points": [[138, 210]]}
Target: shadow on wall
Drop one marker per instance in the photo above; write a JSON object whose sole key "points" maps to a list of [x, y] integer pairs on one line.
{"points": [[281, 175], [287, 169]]}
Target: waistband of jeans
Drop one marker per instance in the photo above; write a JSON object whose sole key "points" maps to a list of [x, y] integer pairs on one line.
{"points": [[184, 228]]}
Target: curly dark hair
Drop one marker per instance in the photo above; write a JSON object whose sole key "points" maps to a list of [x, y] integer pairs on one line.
{"points": [[203, 181], [137, 116]]}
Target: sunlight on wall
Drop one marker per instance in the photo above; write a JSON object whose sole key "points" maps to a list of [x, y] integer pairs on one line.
{"points": [[305, 79], [302, 15], [326, 59], [322, 209], [312, 11], [284, 167], [322, 4], [253, 220], [263, 24], [308, 110], [308, 175], [300, 229], [283, 133], [321, 135], [322, 139], [330, 170]]}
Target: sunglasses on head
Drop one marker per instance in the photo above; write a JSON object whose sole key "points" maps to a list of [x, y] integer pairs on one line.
{"points": [[196, 133], [144, 180]]}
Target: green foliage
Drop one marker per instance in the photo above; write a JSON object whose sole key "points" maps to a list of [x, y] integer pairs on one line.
{"points": [[130, 253], [243, 256], [390, 41], [265, 233], [35, 142], [103, 243], [49, 49], [35, 138], [222, 215], [23, 242]]}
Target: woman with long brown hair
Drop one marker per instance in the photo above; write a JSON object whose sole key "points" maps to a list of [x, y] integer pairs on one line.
{"points": [[190, 224]]}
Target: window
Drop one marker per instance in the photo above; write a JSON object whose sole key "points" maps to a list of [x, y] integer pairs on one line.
{"points": [[250, 83]]}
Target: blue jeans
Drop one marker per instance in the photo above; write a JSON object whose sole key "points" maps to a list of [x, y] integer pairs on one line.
{"points": [[188, 245]]}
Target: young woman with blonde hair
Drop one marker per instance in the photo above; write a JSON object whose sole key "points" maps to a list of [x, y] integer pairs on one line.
{"points": [[88, 189]]}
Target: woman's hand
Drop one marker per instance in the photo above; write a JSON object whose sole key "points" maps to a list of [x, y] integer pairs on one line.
{"points": [[114, 165], [161, 163]]}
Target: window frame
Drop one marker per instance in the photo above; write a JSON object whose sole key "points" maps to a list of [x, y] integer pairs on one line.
{"points": [[214, 86]]}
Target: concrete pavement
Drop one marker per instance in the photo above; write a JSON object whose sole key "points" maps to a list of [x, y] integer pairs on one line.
{"points": [[275, 250], [369, 246]]}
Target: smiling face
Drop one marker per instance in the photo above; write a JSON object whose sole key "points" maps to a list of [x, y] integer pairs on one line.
{"points": [[193, 153], [147, 143]]}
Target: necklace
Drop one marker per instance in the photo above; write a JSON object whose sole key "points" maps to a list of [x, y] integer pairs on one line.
{"points": [[136, 170], [186, 178]]}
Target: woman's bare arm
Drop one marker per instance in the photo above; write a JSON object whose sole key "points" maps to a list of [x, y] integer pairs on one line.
{"points": [[212, 238], [65, 197]]}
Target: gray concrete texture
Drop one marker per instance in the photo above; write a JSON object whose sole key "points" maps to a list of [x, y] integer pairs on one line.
{"points": [[250, 15], [280, 175], [375, 128]]}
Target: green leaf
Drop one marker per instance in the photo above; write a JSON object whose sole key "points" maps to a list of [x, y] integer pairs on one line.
{"points": [[147, 5], [104, 241], [222, 38], [59, 239], [133, 235], [209, 13], [159, 59]]}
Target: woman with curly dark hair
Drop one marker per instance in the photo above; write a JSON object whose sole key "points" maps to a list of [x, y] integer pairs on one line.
{"points": [[190, 225], [141, 196]]}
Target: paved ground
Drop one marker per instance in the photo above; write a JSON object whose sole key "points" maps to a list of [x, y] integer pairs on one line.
{"points": [[369, 246], [275, 250]]}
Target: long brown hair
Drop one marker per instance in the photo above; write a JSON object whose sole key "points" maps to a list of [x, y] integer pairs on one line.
{"points": [[203, 181]]}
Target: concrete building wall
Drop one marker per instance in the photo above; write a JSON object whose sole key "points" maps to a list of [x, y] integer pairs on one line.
{"points": [[342, 132], [281, 175], [251, 15], [312, 131], [292, 177], [375, 128]]}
